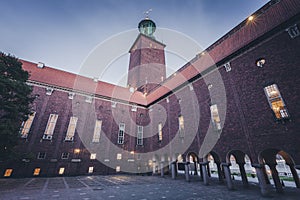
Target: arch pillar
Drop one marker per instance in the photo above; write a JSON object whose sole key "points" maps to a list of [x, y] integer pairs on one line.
{"points": [[220, 173], [162, 173], [187, 174], [264, 189], [275, 177], [204, 167], [295, 174], [227, 175], [243, 173], [174, 169]]}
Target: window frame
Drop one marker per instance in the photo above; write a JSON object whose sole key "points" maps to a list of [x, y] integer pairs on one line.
{"points": [[121, 133], [139, 135]]}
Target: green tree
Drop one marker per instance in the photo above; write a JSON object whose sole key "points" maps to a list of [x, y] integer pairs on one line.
{"points": [[15, 100]]}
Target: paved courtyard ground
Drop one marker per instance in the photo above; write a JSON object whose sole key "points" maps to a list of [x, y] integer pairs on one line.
{"points": [[129, 187]]}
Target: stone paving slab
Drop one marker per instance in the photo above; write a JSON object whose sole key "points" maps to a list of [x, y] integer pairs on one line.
{"points": [[127, 187]]}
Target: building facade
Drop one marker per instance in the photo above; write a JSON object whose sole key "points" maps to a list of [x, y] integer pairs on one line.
{"points": [[237, 99]]}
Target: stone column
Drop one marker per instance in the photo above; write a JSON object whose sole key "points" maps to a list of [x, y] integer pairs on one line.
{"points": [[201, 173], [220, 173], [162, 169], [243, 174], [276, 179], [187, 174], [264, 189], [173, 169], [203, 166], [227, 175], [153, 168]]}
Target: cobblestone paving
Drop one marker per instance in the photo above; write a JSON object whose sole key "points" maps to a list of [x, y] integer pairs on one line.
{"points": [[126, 187]]}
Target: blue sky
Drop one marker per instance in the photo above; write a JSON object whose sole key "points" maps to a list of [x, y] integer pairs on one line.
{"points": [[62, 33]]}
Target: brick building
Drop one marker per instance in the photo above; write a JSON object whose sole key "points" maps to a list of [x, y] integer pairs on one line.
{"points": [[237, 99]]}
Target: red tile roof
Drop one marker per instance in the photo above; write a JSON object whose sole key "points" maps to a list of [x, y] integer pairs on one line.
{"points": [[268, 17]]}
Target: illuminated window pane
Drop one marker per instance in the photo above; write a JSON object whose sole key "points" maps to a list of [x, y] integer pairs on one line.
{"points": [[139, 135], [91, 170], [181, 126], [8, 172], [119, 156], [276, 101], [61, 171], [121, 133], [71, 129], [36, 171], [97, 131], [215, 116], [118, 169], [160, 132], [50, 126], [93, 156], [27, 125]]}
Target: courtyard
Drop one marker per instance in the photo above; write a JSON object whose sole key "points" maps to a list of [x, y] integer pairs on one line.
{"points": [[133, 187]]}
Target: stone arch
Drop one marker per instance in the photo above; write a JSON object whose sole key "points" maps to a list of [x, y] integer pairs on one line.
{"points": [[269, 157], [239, 163], [193, 159], [214, 163]]}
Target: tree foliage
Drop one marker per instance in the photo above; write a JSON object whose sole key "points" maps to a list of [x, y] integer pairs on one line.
{"points": [[15, 100]]}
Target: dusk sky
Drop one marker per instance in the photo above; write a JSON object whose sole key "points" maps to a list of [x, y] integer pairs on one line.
{"points": [[62, 33]]}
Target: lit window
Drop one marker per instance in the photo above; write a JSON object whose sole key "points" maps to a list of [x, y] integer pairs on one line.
{"points": [[91, 170], [119, 156], [121, 133], [36, 171], [93, 156], [118, 169], [134, 108], [50, 126], [139, 135], [97, 131], [160, 132], [41, 155], [76, 151], [88, 99], [26, 125], [276, 102], [215, 116], [71, 129], [61, 171], [181, 126], [65, 155], [71, 95], [8, 172]]}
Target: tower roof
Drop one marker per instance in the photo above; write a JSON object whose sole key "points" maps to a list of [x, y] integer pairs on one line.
{"points": [[147, 27]]}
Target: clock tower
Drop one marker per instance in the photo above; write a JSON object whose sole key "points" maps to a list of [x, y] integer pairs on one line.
{"points": [[147, 59]]}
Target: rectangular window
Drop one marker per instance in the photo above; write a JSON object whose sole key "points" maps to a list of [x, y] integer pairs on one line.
{"points": [[119, 156], [160, 132], [61, 171], [118, 168], [27, 125], [41, 155], [97, 131], [36, 171], [139, 135], [50, 126], [65, 155], [215, 117], [71, 129], [181, 126], [93, 156], [8, 172], [121, 133], [91, 170], [276, 101]]}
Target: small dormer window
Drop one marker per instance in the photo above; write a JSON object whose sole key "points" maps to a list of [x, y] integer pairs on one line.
{"points": [[40, 65], [293, 31], [49, 91], [88, 99], [260, 62], [71, 95], [134, 108], [227, 67], [113, 104], [191, 87]]}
